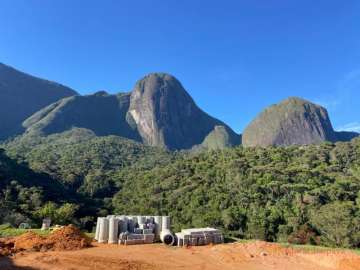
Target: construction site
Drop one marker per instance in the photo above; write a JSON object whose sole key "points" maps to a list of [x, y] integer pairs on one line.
{"points": [[134, 230], [147, 242]]}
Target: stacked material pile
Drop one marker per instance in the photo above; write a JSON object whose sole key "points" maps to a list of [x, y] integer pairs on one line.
{"points": [[199, 237], [132, 230]]}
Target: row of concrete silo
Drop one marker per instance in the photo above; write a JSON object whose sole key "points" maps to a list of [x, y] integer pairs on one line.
{"points": [[130, 230]]}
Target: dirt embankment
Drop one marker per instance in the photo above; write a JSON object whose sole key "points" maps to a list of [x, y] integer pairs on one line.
{"points": [[66, 238], [250, 256]]}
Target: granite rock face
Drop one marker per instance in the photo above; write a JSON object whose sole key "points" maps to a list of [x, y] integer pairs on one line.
{"points": [[158, 112], [101, 113], [21, 95], [166, 115], [294, 121]]}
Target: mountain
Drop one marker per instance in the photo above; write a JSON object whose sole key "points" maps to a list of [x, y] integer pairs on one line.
{"points": [[101, 113], [293, 121], [220, 137], [166, 115], [158, 112], [22, 95]]}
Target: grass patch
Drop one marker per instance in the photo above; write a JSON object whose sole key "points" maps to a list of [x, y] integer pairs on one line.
{"points": [[90, 235], [313, 248], [8, 231], [11, 232]]}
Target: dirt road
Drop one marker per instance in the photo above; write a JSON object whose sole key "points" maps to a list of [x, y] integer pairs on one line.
{"points": [[249, 256]]}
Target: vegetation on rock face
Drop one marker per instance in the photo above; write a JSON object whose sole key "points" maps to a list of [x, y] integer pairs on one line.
{"points": [[22, 95], [294, 121], [220, 138], [308, 194], [101, 113]]}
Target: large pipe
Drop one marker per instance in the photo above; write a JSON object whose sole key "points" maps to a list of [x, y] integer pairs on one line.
{"points": [[165, 223], [97, 229], [104, 230], [158, 226], [141, 220], [113, 230], [167, 237], [123, 225], [130, 225]]}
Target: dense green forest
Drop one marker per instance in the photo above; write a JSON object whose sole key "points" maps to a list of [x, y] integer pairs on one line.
{"points": [[300, 194]]}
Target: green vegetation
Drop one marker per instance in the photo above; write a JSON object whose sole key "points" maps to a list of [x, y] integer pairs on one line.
{"points": [[300, 195], [6, 230], [313, 248]]}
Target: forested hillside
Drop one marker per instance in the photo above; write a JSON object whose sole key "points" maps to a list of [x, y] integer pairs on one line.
{"points": [[307, 194], [299, 194]]}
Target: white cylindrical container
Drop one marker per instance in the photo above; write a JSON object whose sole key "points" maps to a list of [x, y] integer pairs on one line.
{"points": [[150, 219], [97, 229], [130, 226], [141, 219], [103, 230], [165, 223], [135, 220], [124, 225], [113, 230], [158, 226]]}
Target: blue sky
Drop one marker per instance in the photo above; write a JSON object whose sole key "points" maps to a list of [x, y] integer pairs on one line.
{"points": [[233, 57]]}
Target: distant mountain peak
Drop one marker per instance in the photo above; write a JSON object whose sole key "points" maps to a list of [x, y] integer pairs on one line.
{"points": [[166, 115], [22, 95], [292, 121]]}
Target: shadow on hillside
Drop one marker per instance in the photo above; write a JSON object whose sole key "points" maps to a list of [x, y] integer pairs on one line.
{"points": [[25, 176], [7, 264]]}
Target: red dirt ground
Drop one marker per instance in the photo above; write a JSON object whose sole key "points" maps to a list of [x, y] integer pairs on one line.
{"points": [[250, 256]]}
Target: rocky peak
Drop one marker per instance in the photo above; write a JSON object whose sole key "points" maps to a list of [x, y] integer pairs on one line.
{"points": [[166, 115], [292, 121]]}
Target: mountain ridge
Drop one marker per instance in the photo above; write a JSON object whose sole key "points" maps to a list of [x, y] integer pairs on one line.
{"points": [[22, 95], [158, 111]]}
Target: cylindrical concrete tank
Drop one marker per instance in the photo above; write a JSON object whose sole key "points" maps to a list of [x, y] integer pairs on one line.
{"points": [[158, 226], [103, 230], [141, 220], [97, 231], [113, 230], [130, 226], [150, 219], [167, 237], [135, 220], [123, 225], [165, 223]]}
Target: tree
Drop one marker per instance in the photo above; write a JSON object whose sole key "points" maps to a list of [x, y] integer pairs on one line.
{"points": [[335, 222], [65, 213]]}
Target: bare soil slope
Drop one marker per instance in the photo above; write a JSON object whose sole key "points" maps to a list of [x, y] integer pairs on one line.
{"points": [[249, 256]]}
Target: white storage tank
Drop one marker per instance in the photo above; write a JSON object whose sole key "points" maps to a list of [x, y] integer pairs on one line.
{"points": [[113, 230], [103, 230], [165, 223]]}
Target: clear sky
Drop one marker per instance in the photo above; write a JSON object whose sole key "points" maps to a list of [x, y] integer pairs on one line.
{"points": [[233, 57]]}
